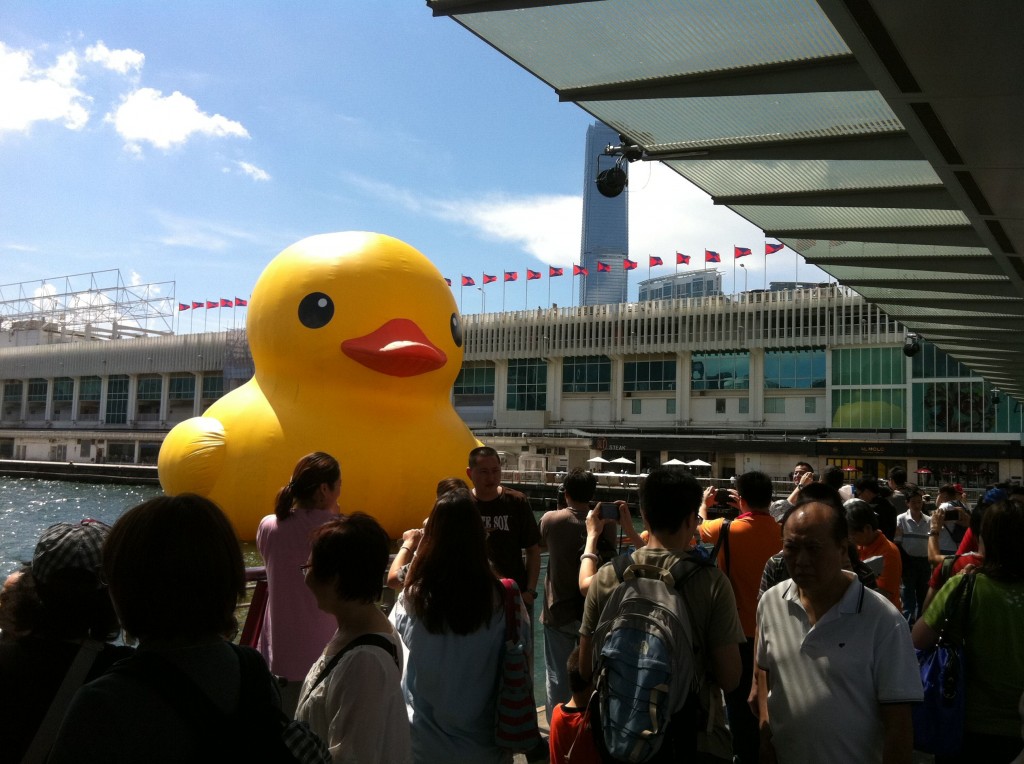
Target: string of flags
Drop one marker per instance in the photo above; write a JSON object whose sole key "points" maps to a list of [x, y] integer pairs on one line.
{"points": [[653, 261], [223, 302]]}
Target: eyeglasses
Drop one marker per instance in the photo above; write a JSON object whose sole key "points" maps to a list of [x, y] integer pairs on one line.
{"points": [[305, 568]]}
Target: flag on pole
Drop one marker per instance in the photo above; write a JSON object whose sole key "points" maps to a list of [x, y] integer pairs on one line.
{"points": [[182, 306], [603, 267], [682, 259], [771, 249], [654, 260], [447, 281], [511, 275], [212, 304], [489, 279], [553, 271], [240, 303], [197, 305], [579, 270], [740, 251], [226, 303], [531, 275], [468, 281], [711, 257], [628, 264]]}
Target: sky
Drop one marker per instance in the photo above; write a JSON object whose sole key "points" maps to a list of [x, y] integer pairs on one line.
{"points": [[185, 144]]}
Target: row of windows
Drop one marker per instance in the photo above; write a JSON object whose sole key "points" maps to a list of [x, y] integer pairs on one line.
{"points": [[180, 387], [474, 379]]}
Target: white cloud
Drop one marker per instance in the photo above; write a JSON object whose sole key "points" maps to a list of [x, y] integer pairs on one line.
{"points": [[253, 171], [30, 94], [547, 227], [204, 235], [146, 115], [122, 61], [667, 214]]}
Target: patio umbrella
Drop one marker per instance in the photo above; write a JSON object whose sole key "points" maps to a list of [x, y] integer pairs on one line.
{"points": [[622, 460], [848, 468], [597, 460], [923, 471], [698, 463], [673, 463]]}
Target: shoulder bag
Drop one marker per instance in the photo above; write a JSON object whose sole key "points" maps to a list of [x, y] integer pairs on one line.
{"points": [[939, 719], [516, 724]]}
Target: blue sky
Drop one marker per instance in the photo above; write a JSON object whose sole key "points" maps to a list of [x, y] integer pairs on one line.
{"points": [[190, 142]]}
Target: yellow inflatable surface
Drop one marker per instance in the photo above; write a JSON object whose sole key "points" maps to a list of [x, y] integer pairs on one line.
{"points": [[356, 340]]}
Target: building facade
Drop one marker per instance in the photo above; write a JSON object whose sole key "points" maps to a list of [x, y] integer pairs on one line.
{"points": [[681, 285], [605, 236], [752, 381]]}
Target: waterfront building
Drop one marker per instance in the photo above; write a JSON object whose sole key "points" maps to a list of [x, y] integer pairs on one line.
{"points": [[681, 285], [749, 381], [605, 236]]}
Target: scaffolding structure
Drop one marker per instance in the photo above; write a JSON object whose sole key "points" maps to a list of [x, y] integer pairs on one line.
{"points": [[98, 305]]}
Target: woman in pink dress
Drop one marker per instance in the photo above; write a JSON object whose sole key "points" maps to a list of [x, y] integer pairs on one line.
{"points": [[295, 630]]}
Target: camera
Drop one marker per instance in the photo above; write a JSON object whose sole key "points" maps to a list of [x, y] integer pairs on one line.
{"points": [[953, 513], [609, 511], [722, 497]]}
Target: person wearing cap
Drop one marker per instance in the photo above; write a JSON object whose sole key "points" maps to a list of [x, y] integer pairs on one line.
{"points": [[912, 538], [56, 613], [875, 493]]}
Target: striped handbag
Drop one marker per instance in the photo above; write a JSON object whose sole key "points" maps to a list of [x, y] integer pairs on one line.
{"points": [[516, 722]]}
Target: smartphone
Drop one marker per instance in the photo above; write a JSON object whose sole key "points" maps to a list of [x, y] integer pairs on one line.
{"points": [[722, 497], [609, 511], [953, 513]]}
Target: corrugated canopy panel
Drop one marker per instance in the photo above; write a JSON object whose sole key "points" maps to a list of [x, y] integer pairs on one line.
{"points": [[840, 127], [737, 177], [574, 45], [689, 123]]}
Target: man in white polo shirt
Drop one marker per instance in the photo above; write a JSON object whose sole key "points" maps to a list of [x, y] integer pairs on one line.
{"points": [[837, 673]]}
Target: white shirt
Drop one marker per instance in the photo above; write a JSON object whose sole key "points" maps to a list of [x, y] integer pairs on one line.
{"points": [[827, 681], [358, 709]]}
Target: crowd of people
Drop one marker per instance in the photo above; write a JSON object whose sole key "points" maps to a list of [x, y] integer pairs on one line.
{"points": [[803, 614]]}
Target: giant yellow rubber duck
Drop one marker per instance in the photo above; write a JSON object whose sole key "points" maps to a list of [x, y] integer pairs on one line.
{"points": [[356, 341]]}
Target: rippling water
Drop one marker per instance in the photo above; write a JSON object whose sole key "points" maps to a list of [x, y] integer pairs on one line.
{"points": [[29, 506]]}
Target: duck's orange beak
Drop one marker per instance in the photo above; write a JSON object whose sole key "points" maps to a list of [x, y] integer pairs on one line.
{"points": [[399, 348]]}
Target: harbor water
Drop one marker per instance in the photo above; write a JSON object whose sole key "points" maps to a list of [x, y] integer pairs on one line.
{"points": [[28, 506]]}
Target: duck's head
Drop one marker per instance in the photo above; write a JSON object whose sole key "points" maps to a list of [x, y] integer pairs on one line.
{"points": [[355, 309]]}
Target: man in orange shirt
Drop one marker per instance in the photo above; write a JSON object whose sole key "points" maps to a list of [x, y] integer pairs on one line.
{"points": [[749, 541], [872, 543]]}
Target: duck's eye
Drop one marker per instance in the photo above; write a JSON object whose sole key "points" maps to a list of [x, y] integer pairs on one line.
{"points": [[457, 329], [316, 310]]}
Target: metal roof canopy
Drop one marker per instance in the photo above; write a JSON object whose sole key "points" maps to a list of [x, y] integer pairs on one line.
{"points": [[879, 140]]}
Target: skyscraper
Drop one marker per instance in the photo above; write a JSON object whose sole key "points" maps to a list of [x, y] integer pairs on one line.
{"points": [[605, 236]]}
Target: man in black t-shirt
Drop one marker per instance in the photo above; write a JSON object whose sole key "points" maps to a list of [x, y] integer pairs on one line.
{"points": [[509, 522]]}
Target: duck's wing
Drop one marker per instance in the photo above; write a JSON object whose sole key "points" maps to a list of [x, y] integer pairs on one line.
{"points": [[192, 456]]}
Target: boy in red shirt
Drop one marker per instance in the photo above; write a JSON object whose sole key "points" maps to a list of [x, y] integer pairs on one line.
{"points": [[571, 739]]}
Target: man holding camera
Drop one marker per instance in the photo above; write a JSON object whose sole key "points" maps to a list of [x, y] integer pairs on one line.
{"points": [[563, 532], [749, 540]]}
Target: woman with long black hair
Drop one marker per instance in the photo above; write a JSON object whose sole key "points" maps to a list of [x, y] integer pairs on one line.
{"points": [[451, 619]]}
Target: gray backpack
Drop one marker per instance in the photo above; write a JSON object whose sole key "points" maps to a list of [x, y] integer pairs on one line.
{"points": [[644, 668]]}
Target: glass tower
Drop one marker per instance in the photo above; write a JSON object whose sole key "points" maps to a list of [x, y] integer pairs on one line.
{"points": [[605, 236]]}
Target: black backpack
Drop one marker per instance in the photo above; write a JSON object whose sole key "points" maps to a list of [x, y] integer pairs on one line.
{"points": [[258, 730]]}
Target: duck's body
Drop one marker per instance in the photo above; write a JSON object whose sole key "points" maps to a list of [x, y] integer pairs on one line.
{"points": [[356, 341]]}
